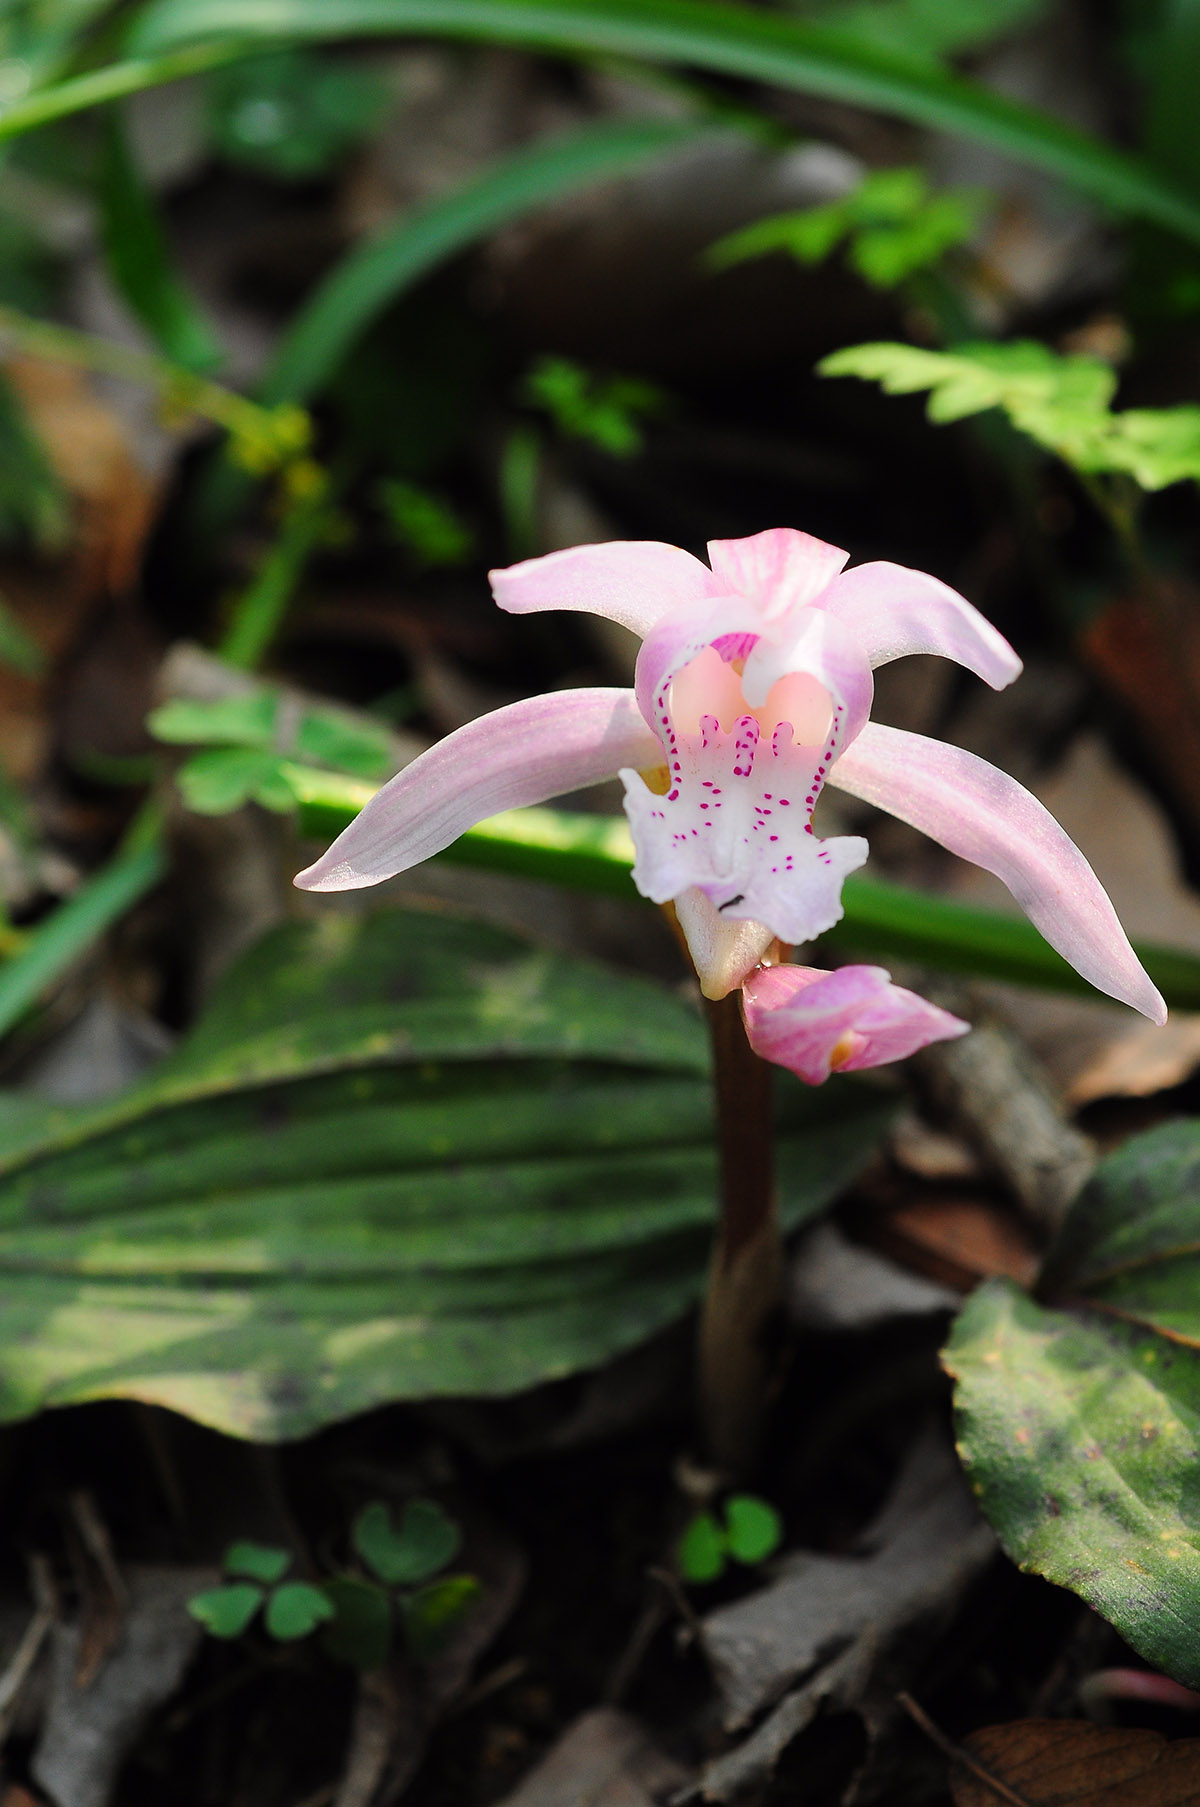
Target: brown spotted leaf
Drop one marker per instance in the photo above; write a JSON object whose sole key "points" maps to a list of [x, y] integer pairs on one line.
{"points": [[1067, 1763]]}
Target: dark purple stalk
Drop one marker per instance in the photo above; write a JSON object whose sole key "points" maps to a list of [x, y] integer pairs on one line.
{"points": [[741, 1307]]}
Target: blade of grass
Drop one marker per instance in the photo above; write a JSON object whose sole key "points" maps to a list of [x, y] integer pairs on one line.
{"points": [[78, 93], [260, 609], [595, 853], [377, 271], [140, 262], [713, 35], [53, 947]]}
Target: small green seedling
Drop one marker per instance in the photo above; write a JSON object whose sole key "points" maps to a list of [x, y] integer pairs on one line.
{"points": [[609, 412], [358, 1613], [1062, 401], [293, 1608], [293, 114], [424, 523], [243, 760], [892, 226], [405, 1558], [751, 1530]]}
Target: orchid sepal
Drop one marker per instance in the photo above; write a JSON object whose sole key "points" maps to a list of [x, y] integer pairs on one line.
{"points": [[523, 754], [980, 813]]}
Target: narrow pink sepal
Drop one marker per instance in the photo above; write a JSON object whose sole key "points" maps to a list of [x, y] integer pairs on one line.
{"points": [[985, 816], [815, 1023], [527, 753], [892, 611], [781, 568], [635, 582]]}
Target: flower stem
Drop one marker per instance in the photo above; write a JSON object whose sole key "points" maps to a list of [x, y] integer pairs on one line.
{"points": [[736, 1366]]}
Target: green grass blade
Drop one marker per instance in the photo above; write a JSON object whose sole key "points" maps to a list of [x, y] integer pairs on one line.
{"points": [[377, 271], [725, 39], [55, 944], [595, 853], [59, 100], [140, 262]]}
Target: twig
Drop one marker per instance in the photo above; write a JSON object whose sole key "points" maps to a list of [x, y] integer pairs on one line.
{"points": [[670, 1584], [955, 1753], [29, 1649], [995, 1091], [488, 1685]]}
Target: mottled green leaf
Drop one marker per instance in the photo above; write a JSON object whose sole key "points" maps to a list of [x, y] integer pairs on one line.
{"points": [[295, 1609], [258, 1561], [1081, 1437], [400, 1155], [225, 1612], [426, 1541]]}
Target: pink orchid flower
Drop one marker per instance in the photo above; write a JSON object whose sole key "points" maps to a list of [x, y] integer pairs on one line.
{"points": [[817, 1023], [752, 691]]}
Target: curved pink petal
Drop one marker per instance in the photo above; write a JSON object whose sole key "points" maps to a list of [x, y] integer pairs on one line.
{"points": [[782, 568], [985, 816], [523, 754], [892, 611], [635, 582], [815, 1023]]}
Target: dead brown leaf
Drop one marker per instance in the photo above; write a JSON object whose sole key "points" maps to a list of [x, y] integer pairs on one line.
{"points": [[1147, 650], [1068, 1763], [957, 1239], [87, 446]]}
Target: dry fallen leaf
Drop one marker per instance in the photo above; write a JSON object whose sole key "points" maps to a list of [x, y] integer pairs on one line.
{"points": [[1068, 1763], [957, 1239], [88, 448]]}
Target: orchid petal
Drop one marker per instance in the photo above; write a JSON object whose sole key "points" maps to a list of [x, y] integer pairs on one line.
{"points": [[723, 952], [985, 816], [815, 1023], [892, 611], [815, 644], [523, 754], [634, 582], [678, 638], [783, 568]]}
